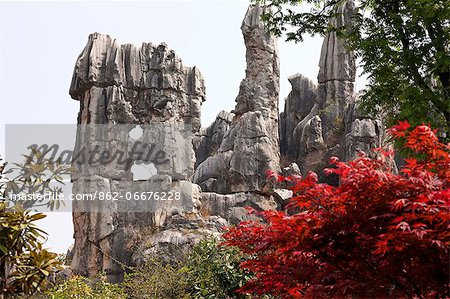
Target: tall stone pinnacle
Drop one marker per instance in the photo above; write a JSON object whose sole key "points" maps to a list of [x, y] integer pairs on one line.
{"points": [[334, 126], [336, 78], [145, 85], [251, 145]]}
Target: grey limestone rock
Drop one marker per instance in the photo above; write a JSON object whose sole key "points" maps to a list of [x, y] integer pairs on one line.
{"points": [[143, 83], [251, 145], [311, 136], [297, 105], [208, 140], [146, 86], [362, 132], [325, 121]]}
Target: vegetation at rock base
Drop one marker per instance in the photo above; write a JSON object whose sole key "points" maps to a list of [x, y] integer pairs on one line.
{"points": [[83, 288], [404, 47], [378, 234], [207, 271]]}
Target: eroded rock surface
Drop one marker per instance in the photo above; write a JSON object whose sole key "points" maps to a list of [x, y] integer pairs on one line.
{"points": [[251, 145], [362, 132], [145, 85], [209, 139], [135, 84], [297, 106], [324, 121], [149, 85]]}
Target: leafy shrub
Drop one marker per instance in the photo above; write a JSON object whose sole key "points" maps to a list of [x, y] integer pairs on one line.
{"points": [[378, 234], [24, 264], [79, 287], [214, 271], [207, 271], [157, 278]]}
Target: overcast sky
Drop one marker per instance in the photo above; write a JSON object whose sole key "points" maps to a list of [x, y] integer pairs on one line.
{"points": [[40, 42]]}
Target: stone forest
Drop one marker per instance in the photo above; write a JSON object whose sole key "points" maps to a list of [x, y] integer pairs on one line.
{"points": [[256, 174], [149, 83]]}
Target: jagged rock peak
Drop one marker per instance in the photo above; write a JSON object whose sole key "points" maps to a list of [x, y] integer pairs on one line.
{"points": [[142, 84], [336, 61], [302, 97], [105, 62], [127, 84], [208, 140], [297, 105], [336, 79], [251, 145], [260, 88], [315, 128]]}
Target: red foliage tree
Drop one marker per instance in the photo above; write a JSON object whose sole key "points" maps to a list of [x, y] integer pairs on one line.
{"points": [[378, 234]]}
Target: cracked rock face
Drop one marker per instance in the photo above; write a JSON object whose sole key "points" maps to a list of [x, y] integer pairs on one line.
{"points": [[135, 84], [128, 84], [362, 132], [297, 106], [313, 136], [324, 121], [336, 79], [251, 145], [209, 139]]}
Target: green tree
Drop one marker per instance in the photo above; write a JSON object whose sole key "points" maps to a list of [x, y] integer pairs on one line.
{"points": [[215, 271], [35, 176], [24, 264], [403, 46]]}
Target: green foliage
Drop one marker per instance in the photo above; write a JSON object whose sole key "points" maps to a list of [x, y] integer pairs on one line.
{"points": [[157, 279], [79, 287], [214, 271], [24, 264], [207, 271], [404, 48]]}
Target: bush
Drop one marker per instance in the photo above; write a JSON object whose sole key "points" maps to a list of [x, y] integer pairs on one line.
{"points": [[79, 287], [25, 265], [378, 235], [156, 279], [207, 271], [214, 271]]}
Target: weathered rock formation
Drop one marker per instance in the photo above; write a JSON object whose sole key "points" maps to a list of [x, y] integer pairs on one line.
{"points": [[209, 139], [324, 121], [251, 145], [337, 70], [126, 84], [148, 86], [297, 106], [362, 132]]}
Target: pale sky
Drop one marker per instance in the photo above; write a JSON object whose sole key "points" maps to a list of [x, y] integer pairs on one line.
{"points": [[40, 42]]}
